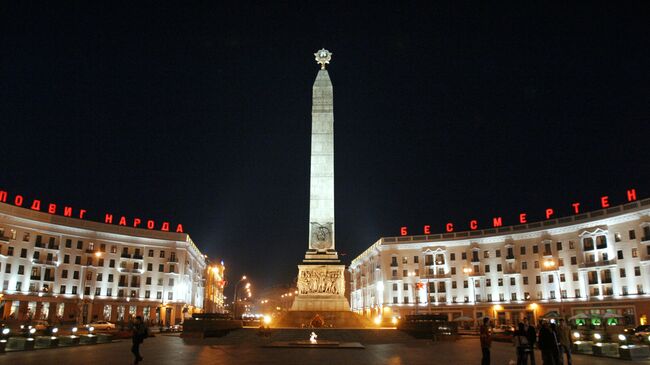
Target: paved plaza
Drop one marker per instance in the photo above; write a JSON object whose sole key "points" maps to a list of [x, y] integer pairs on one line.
{"points": [[246, 348]]}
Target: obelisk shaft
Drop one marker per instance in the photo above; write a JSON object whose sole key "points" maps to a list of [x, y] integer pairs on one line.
{"points": [[321, 190]]}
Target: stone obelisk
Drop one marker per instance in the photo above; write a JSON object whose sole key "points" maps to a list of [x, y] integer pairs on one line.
{"points": [[321, 283]]}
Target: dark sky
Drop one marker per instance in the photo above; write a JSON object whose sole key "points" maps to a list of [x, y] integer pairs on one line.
{"points": [[200, 114]]}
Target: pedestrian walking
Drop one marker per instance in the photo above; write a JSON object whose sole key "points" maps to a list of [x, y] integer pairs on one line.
{"points": [[521, 344], [548, 345], [140, 332], [485, 333], [564, 336], [531, 335]]}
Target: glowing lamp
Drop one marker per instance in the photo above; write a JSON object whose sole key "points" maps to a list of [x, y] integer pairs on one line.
{"points": [[394, 320], [5, 331], [267, 319], [597, 336], [621, 337], [90, 329], [576, 335], [32, 331], [55, 330], [377, 320], [74, 329]]}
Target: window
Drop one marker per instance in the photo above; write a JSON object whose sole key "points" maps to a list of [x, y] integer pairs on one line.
{"points": [[405, 260], [150, 254], [416, 259], [524, 265], [601, 242], [512, 281], [486, 254], [395, 300], [64, 274], [26, 236], [150, 267], [632, 234], [637, 271], [68, 243], [113, 249], [547, 249], [74, 289], [463, 256], [98, 291], [162, 254], [23, 253], [405, 286], [110, 278], [80, 245], [452, 257], [161, 268], [453, 271], [560, 262], [538, 279], [575, 276], [147, 294], [500, 282], [91, 246], [10, 251], [406, 300], [498, 253], [160, 281], [588, 244], [100, 262], [562, 278], [499, 268], [487, 268], [8, 269], [453, 285], [405, 273], [77, 260], [102, 247], [574, 260], [488, 282], [172, 268], [21, 269], [111, 263], [75, 275], [62, 290], [617, 237], [635, 252], [522, 250], [622, 272], [619, 254], [536, 264], [394, 286], [535, 249], [100, 277], [571, 245], [465, 284], [171, 281]]}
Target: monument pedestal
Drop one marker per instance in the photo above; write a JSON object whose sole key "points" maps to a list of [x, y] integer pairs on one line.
{"points": [[321, 287]]}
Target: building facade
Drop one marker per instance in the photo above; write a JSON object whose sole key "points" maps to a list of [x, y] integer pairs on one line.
{"points": [[215, 282], [593, 263], [66, 269]]}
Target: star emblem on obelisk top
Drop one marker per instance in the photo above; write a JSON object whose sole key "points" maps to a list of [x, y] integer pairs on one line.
{"points": [[323, 57]]}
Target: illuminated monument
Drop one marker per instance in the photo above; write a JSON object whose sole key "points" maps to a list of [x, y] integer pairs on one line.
{"points": [[321, 283]]}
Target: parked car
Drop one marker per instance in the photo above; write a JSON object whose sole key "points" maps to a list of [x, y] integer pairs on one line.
{"points": [[642, 331], [503, 329], [101, 325], [40, 325]]}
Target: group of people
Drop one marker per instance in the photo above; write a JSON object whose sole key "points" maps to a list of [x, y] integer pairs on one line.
{"points": [[553, 341]]}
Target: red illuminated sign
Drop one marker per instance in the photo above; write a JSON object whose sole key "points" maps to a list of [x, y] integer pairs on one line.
{"points": [[523, 217], [66, 211]]}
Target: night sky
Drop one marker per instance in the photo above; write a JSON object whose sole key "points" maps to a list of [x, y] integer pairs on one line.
{"points": [[201, 115]]}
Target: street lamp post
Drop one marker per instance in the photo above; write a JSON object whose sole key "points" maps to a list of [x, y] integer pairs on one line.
{"points": [[234, 308]]}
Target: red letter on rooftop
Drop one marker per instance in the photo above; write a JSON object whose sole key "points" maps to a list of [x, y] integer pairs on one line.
{"points": [[576, 208], [51, 208], [549, 213], [497, 222], [67, 211], [403, 231], [631, 195], [36, 205], [427, 229], [179, 228], [449, 227], [604, 202], [108, 218], [522, 218], [473, 224], [18, 200]]}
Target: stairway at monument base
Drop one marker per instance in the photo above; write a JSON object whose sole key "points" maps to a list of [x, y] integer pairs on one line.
{"points": [[335, 319]]}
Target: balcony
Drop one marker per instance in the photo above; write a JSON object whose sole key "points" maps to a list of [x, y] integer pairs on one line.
{"points": [[507, 271], [126, 255], [52, 246], [122, 284], [510, 257], [4, 239], [35, 277], [436, 276], [138, 257], [585, 265], [172, 259], [393, 264], [48, 278]]}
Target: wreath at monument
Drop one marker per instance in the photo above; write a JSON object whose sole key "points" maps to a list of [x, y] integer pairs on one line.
{"points": [[317, 321]]}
